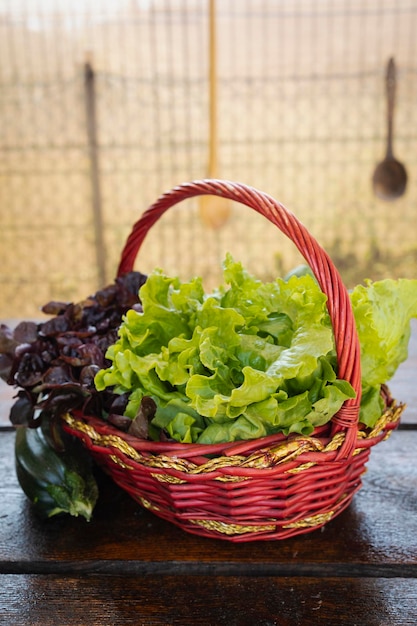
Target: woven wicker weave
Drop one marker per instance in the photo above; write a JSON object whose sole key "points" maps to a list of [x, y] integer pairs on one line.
{"points": [[268, 488]]}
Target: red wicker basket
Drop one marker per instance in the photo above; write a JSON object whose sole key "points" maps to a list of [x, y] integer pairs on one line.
{"points": [[269, 488]]}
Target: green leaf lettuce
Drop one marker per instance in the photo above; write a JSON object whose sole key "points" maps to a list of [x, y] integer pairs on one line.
{"points": [[251, 358], [382, 311]]}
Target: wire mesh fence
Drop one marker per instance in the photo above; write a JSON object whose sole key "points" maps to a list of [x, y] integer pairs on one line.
{"points": [[103, 106]]}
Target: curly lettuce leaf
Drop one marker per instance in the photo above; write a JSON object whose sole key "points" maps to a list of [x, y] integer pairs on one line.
{"points": [[248, 360], [383, 311]]}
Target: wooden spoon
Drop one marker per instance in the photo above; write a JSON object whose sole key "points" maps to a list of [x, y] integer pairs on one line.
{"points": [[214, 211], [390, 176]]}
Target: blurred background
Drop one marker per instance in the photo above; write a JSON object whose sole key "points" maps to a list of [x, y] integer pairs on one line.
{"points": [[106, 104]]}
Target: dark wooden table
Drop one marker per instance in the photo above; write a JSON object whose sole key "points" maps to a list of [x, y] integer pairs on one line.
{"points": [[129, 567]]}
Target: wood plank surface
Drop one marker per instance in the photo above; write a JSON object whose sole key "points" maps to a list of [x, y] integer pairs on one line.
{"points": [[206, 601], [127, 566], [375, 536]]}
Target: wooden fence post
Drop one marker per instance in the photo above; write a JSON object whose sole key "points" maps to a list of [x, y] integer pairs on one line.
{"points": [[93, 151]]}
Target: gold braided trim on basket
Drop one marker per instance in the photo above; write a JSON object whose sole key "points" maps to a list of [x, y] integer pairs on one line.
{"points": [[239, 529], [233, 529], [118, 461], [391, 415], [311, 521], [148, 505], [333, 444], [166, 478], [260, 459], [283, 452]]}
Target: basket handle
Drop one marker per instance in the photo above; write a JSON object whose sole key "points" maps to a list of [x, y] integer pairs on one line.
{"points": [[338, 301]]}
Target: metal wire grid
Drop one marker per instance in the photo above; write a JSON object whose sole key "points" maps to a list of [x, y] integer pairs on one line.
{"points": [[301, 116]]}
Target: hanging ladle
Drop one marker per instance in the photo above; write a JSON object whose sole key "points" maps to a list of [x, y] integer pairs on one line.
{"points": [[390, 176]]}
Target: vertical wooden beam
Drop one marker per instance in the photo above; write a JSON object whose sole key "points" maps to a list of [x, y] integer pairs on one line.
{"points": [[212, 165], [93, 151]]}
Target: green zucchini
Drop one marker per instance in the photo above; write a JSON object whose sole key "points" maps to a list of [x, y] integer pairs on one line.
{"points": [[54, 482]]}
